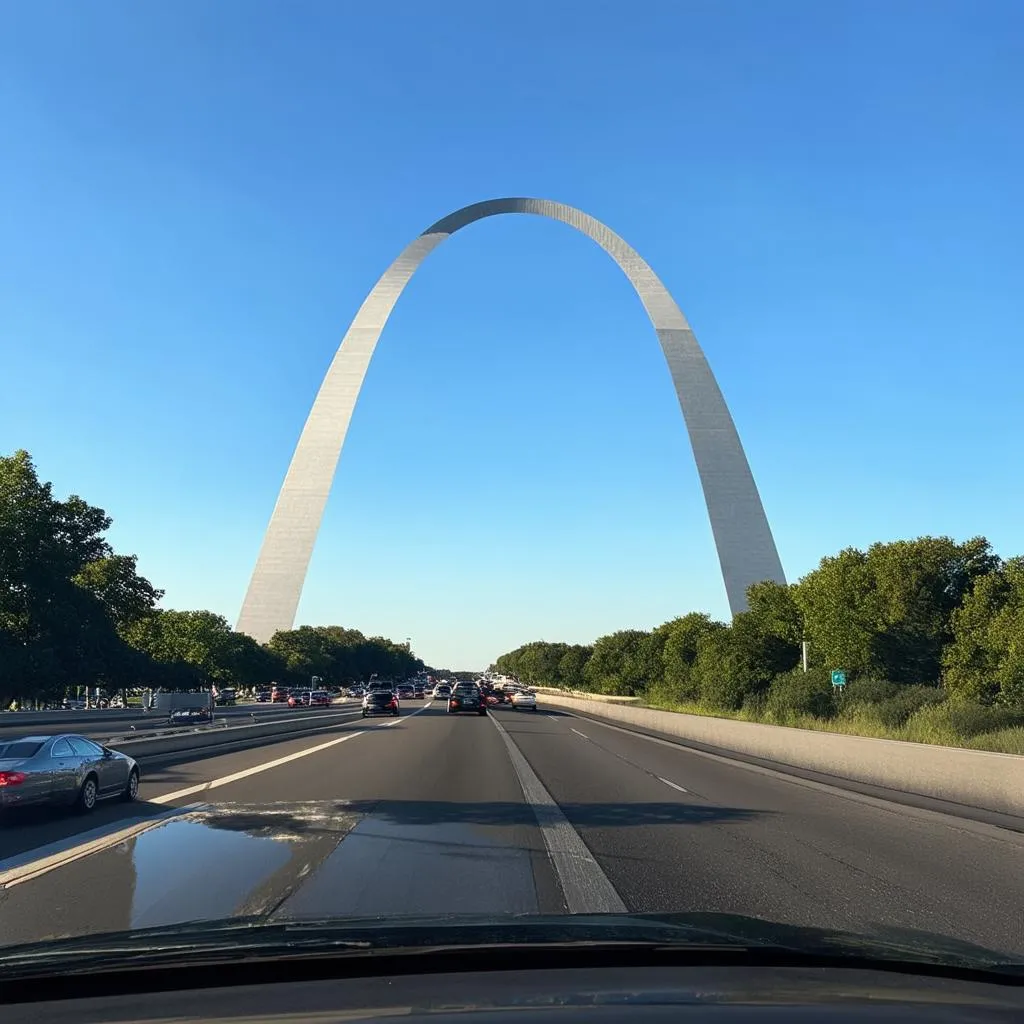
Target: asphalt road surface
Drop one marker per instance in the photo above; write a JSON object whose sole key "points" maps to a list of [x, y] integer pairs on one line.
{"points": [[514, 812]]}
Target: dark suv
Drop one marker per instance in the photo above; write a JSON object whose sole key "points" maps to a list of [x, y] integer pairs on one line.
{"points": [[466, 697], [380, 701]]}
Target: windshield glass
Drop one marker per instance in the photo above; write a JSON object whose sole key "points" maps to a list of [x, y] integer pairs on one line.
{"points": [[653, 548]]}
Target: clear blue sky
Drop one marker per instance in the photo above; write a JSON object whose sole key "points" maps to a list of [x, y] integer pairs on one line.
{"points": [[197, 196]]}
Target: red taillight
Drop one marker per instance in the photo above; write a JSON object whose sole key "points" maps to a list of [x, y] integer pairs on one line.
{"points": [[454, 703], [11, 778], [394, 702]]}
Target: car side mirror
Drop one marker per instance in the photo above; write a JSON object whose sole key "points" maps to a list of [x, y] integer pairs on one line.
{"points": [[107, 752]]}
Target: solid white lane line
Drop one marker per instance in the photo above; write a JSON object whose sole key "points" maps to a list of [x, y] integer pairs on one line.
{"points": [[225, 780], [33, 863], [178, 794], [585, 886], [669, 782], [578, 733]]}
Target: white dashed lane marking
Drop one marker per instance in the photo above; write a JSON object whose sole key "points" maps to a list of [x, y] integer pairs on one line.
{"points": [[669, 782]]}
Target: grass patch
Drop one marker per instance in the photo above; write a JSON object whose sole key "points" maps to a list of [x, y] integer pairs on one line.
{"points": [[938, 723]]}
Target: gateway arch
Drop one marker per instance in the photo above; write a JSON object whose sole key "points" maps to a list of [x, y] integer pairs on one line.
{"points": [[746, 548]]}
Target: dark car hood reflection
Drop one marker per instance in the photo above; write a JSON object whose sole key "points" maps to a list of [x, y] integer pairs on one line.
{"points": [[380, 875]]}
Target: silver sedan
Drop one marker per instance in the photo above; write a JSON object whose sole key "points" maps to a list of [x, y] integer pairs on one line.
{"points": [[65, 770]]}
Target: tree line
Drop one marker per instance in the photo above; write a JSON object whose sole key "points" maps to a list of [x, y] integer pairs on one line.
{"points": [[73, 612], [931, 627]]}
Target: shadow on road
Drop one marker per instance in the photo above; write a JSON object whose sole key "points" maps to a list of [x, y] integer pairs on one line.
{"points": [[28, 828], [582, 815]]}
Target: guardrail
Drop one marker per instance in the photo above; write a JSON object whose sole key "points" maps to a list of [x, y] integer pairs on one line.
{"points": [[974, 778], [71, 721]]}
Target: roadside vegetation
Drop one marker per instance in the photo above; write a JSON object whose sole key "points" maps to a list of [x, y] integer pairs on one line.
{"points": [[74, 613], [930, 633]]}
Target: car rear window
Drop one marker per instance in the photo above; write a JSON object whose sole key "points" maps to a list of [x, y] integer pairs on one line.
{"points": [[19, 748]]}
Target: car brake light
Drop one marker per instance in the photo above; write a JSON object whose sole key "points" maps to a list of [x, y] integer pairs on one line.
{"points": [[11, 778]]}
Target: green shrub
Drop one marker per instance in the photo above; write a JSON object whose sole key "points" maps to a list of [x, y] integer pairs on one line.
{"points": [[955, 721], [664, 693], [797, 693], [754, 706], [1005, 741], [894, 711], [868, 691]]}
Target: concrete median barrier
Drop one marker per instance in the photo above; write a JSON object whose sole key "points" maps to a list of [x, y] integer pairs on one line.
{"points": [[974, 778]]}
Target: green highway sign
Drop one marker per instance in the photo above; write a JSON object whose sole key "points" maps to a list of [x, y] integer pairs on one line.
{"points": [[838, 677]]}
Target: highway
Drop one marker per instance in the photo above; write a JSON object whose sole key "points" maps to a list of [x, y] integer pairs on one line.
{"points": [[515, 812]]}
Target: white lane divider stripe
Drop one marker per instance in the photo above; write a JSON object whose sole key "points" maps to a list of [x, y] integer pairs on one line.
{"points": [[669, 782], [585, 886], [225, 780], [40, 861], [178, 794], [33, 863], [578, 733]]}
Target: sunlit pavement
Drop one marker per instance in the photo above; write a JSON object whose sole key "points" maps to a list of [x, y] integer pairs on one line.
{"points": [[432, 813]]}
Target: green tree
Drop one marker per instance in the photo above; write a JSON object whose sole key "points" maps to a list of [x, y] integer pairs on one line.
{"points": [[572, 667], [740, 661], [114, 582], [888, 612], [55, 632], [617, 664], [774, 609], [338, 655], [679, 655], [201, 639], [840, 607], [985, 661]]}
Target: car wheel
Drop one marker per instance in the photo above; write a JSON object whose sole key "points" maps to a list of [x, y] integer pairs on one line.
{"points": [[364, 714], [534, 708], [394, 714], [131, 791], [87, 795], [482, 711]]}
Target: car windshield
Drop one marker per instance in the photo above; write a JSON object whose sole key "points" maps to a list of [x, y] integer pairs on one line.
{"points": [[653, 548]]}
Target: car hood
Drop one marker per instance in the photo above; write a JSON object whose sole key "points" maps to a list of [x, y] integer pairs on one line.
{"points": [[232, 875], [694, 938]]}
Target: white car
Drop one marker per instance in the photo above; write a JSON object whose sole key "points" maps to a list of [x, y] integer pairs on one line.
{"points": [[522, 699], [442, 691]]}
